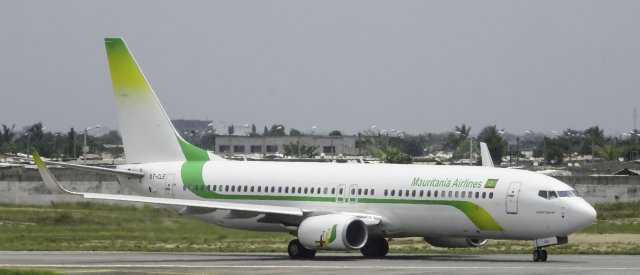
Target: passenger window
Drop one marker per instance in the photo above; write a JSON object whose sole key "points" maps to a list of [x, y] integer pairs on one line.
{"points": [[421, 193], [543, 194], [406, 193], [491, 195], [333, 191], [413, 193], [366, 192], [226, 188], [259, 189], [299, 190], [326, 190], [435, 194], [353, 191], [399, 193], [552, 195], [428, 193], [340, 191], [372, 191], [393, 192], [477, 195], [456, 194], [273, 189], [208, 187], [280, 189], [462, 194], [386, 192], [214, 187], [233, 188], [484, 195], [286, 189], [306, 190], [311, 190], [359, 191], [450, 194]]}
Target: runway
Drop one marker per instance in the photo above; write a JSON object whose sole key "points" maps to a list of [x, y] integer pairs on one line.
{"points": [[323, 263]]}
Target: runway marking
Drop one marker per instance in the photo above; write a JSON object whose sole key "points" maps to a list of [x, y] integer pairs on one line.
{"points": [[536, 266]]}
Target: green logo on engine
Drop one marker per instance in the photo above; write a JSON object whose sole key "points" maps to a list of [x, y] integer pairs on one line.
{"points": [[327, 237]]}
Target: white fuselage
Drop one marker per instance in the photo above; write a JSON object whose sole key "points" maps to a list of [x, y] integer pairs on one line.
{"points": [[434, 200]]}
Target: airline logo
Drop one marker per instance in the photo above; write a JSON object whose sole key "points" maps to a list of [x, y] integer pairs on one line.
{"points": [[491, 183], [327, 237]]}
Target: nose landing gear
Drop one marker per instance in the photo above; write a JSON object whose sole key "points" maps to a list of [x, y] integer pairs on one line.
{"points": [[539, 255]]}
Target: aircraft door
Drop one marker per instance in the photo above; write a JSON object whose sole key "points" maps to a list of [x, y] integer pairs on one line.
{"points": [[341, 193], [512, 198], [353, 193], [169, 185]]}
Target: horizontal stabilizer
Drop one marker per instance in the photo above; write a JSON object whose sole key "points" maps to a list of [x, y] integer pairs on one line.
{"points": [[53, 185]]}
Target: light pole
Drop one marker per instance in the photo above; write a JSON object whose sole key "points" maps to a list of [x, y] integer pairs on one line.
{"points": [[85, 149]]}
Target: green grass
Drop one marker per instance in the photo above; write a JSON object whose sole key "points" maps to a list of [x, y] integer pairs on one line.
{"points": [[26, 272], [103, 227]]}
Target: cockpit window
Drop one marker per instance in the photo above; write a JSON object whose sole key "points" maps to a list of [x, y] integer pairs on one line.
{"points": [[543, 194], [569, 193], [552, 195]]}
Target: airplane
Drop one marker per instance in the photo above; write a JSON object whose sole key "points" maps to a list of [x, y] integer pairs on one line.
{"points": [[325, 206]]}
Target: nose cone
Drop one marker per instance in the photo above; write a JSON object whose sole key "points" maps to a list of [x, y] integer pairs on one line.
{"points": [[583, 215]]}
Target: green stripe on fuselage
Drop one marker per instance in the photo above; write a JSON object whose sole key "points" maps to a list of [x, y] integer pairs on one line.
{"points": [[192, 177]]}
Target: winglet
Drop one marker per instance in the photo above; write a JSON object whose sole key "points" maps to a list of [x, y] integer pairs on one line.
{"points": [[49, 180], [485, 155]]}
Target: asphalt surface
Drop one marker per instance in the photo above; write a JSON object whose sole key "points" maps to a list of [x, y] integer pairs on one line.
{"points": [[323, 263]]}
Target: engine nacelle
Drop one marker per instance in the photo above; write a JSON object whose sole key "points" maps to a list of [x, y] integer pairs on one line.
{"points": [[333, 232], [455, 242]]}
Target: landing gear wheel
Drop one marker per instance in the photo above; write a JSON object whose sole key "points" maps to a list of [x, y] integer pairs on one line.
{"points": [[297, 251], [540, 255], [375, 248]]}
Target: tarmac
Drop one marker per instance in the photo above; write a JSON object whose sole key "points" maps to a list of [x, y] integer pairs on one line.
{"points": [[324, 263]]}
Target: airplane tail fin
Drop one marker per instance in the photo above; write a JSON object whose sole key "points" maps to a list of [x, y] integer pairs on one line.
{"points": [[147, 132]]}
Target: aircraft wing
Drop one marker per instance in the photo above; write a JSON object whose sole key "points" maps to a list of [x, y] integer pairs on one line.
{"points": [[53, 185]]}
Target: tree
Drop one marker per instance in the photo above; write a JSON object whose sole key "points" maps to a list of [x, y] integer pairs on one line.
{"points": [[7, 134], [277, 130], [300, 150], [609, 152], [492, 138], [253, 130], [231, 130], [393, 155], [335, 133], [71, 143], [265, 132], [294, 132], [463, 130]]}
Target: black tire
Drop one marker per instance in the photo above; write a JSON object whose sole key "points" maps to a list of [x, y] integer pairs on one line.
{"points": [[297, 251], [375, 248], [543, 256], [536, 256]]}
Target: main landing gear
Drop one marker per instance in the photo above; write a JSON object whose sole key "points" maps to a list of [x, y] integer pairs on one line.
{"points": [[539, 255], [375, 248], [297, 251]]}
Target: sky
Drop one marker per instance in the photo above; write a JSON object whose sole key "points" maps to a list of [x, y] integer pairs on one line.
{"points": [[414, 66]]}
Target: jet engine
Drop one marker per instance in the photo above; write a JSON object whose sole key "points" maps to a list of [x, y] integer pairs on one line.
{"points": [[455, 242], [333, 232]]}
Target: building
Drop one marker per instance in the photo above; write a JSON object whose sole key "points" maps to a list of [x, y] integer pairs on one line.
{"points": [[275, 145]]}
